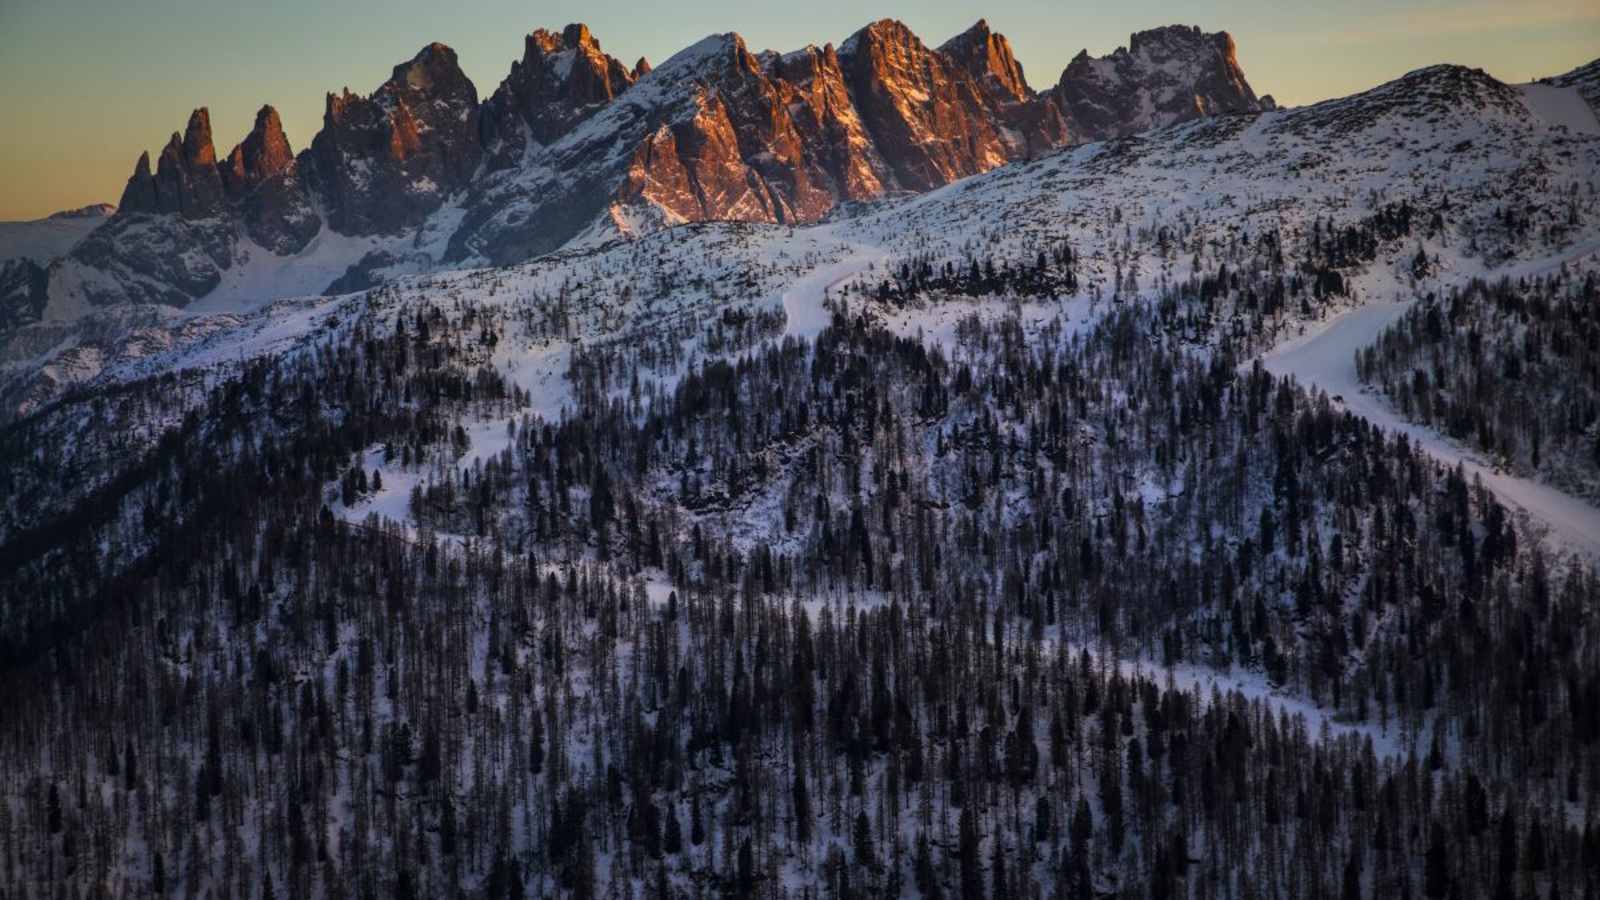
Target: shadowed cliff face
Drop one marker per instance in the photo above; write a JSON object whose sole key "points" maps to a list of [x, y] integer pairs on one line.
{"points": [[573, 140], [561, 80], [1163, 76], [384, 162]]}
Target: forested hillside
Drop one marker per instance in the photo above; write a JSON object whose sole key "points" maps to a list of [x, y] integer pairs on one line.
{"points": [[1510, 368], [851, 618]]}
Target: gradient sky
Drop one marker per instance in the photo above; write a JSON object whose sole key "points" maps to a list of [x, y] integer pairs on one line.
{"points": [[91, 84]]}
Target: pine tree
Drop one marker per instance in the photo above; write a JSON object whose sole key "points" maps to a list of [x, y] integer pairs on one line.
{"points": [[1436, 867], [536, 743], [447, 827], [861, 841], [747, 869], [802, 807], [967, 854], [1082, 828]]}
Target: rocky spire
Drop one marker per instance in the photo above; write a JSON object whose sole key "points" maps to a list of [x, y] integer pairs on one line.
{"points": [[262, 154], [577, 37], [140, 194], [198, 150], [186, 179]]}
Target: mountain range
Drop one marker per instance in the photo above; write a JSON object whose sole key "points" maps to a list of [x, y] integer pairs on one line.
{"points": [[574, 144]]}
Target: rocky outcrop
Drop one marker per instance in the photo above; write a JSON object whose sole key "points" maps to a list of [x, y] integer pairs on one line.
{"points": [[24, 286], [261, 177], [167, 259], [830, 125], [177, 231], [1163, 76], [739, 155], [719, 132], [925, 110], [383, 163], [560, 81], [986, 56]]}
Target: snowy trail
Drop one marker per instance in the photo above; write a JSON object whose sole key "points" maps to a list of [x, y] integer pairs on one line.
{"points": [[1388, 740], [1326, 359], [802, 301]]}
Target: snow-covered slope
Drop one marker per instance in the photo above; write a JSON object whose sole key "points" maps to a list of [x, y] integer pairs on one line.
{"points": [[1562, 107], [1585, 79], [43, 240], [1325, 358], [27, 252]]}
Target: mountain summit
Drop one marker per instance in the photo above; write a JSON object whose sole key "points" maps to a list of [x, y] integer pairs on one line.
{"points": [[1164, 75]]}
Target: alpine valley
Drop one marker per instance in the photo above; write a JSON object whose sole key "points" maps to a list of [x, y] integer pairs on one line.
{"points": [[849, 472]]}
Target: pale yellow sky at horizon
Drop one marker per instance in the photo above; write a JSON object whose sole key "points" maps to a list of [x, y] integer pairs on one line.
{"points": [[90, 88]]}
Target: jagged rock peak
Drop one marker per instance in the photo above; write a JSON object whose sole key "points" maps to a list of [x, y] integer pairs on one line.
{"points": [[263, 153], [560, 80], [939, 115], [641, 68], [434, 72], [577, 35], [573, 37], [1164, 75], [1174, 34], [710, 50], [197, 147], [884, 31], [986, 54], [383, 163], [186, 179], [139, 196]]}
